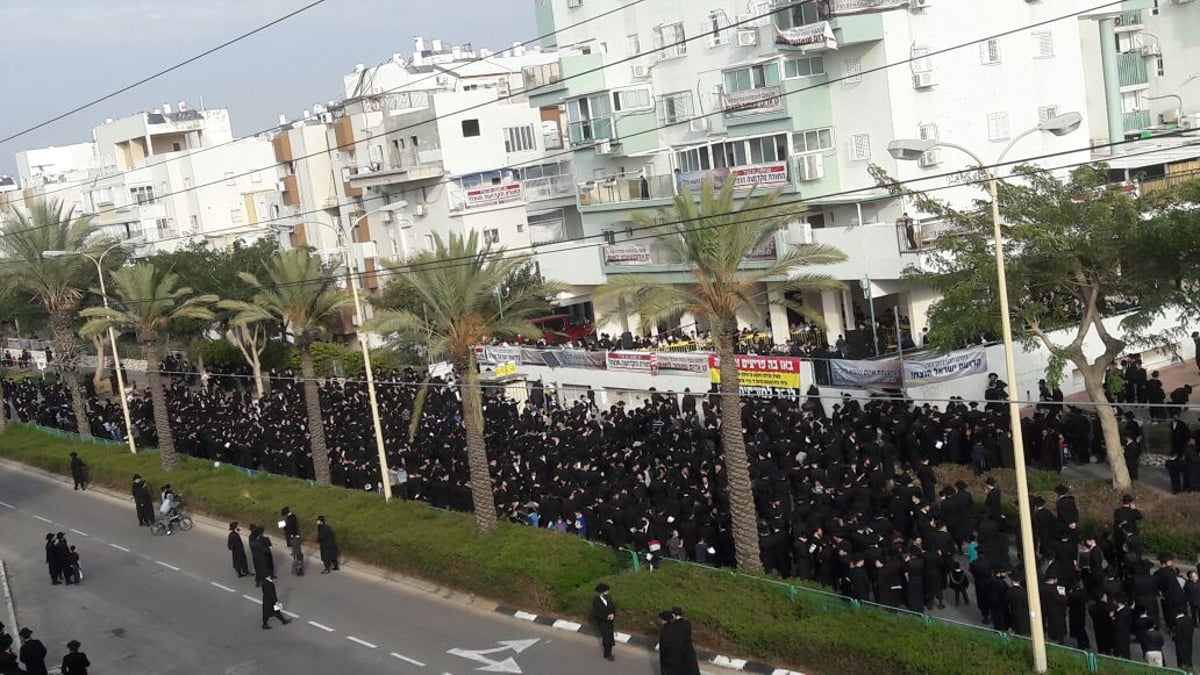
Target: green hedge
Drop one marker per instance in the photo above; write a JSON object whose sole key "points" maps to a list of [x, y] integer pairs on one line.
{"points": [[544, 571]]}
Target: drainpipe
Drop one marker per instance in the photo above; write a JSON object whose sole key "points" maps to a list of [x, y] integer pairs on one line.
{"points": [[1112, 82]]}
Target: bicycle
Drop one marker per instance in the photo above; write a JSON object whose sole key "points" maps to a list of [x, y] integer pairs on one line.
{"points": [[176, 519]]}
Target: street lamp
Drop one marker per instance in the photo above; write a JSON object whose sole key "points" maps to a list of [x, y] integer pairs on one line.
{"points": [[502, 293], [911, 150], [869, 296], [351, 269], [112, 338]]}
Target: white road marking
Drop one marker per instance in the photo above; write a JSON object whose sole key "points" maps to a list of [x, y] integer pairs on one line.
{"points": [[7, 505], [623, 638], [567, 625], [44, 520], [323, 627], [251, 598], [223, 587], [364, 643], [525, 616], [291, 614], [408, 660], [82, 534], [119, 547], [167, 565]]}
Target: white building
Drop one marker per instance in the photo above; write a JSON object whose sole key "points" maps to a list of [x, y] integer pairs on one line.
{"points": [[1151, 51], [56, 173], [801, 99]]}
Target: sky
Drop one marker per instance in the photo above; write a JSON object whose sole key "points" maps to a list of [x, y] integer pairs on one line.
{"points": [[58, 54]]}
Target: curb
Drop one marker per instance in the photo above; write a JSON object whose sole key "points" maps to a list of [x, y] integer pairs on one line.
{"points": [[711, 658], [8, 603]]}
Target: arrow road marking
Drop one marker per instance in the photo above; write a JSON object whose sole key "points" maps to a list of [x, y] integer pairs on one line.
{"points": [[508, 665]]}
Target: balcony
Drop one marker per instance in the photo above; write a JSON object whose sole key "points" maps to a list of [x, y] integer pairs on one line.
{"points": [[402, 167], [586, 132], [549, 187], [545, 78], [1131, 68], [759, 101], [656, 190], [1133, 122], [1129, 20]]}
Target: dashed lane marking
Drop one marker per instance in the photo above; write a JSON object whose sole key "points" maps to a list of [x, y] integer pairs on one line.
{"points": [[291, 615], [322, 626], [364, 643], [82, 534], [167, 565], [251, 598], [223, 587], [44, 520], [408, 660], [7, 505], [119, 547]]}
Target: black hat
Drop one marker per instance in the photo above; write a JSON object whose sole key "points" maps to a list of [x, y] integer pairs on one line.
{"points": [[25, 633], [602, 587], [1164, 557], [666, 615], [73, 645], [1126, 499], [1039, 501], [1061, 490], [233, 525], [990, 480], [677, 611]]}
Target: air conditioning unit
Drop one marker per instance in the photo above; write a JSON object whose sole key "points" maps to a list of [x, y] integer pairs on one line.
{"points": [[810, 167], [640, 72], [799, 234], [281, 186], [1152, 49], [930, 158], [572, 4], [921, 4], [420, 210], [698, 124], [388, 217], [923, 80], [1192, 122], [603, 147], [747, 38]]}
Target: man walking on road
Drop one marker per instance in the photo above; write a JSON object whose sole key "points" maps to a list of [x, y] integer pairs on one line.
{"points": [[328, 543], [676, 653], [260, 553], [33, 653], [52, 560], [271, 606], [238, 550], [604, 612], [75, 662], [142, 501], [78, 472]]}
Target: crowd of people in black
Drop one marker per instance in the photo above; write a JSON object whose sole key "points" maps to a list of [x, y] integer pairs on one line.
{"points": [[848, 498]]}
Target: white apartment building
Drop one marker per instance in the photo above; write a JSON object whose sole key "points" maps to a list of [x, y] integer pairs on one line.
{"points": [[1152, 55], [10, 196], [798, 96], [56, 172]]}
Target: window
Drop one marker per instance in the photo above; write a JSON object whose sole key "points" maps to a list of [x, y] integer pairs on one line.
{"points": [[176, 147], [921, 61], [735, 153], [631, 99], [230, 178], [852, 70], [989, 52], [590, 118], [143, 194], [1134, 101], [928, 132], [1047, 113], [1154, 10], [675, 107], [997, 126], [235, 216], [429, 243], [470, 128], [633, 44], [860, 147], [800, 14], [1158, 66], [753, 77], [803, 66], [813, 140], [670, 41], [163, 226], [491, 236], [519, 139], [716, 25], [1043, 44], [194, 223]]}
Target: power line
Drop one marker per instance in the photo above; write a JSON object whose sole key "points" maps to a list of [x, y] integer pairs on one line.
{"points": [[571, 151], [165, 71]]}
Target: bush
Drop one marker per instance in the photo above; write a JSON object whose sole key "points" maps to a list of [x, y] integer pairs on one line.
{"points": [[544, 571]]}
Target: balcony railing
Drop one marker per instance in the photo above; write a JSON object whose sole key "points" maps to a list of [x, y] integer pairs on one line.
{"points": [[1131, 68], [588, 131], [542, 76], [549, 187], [481, 196], [915, 237], [1136, 121], [625, 188], [1127, 19], [1149, 185], [753, 101]]}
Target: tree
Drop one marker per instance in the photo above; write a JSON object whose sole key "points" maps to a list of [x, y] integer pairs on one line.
{"points": [[455, 285], [56, 283], [714, 238], [145, 300], [302, 297], [1077, 251]]}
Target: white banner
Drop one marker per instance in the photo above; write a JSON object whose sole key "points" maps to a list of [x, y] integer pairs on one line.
{"points": [[866, 374], [945, 367], [810, 37], [854, 6]]}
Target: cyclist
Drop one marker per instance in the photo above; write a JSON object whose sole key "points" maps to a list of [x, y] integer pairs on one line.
{"points": [[169, 509]]}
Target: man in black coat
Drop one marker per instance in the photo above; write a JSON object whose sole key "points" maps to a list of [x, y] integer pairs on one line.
{"points": [[1183, 634], [260, 554], [237, 549], [52, 560], [676, 654], [604, 613], [1166, 578], [1054, 608], [33, 653], [142, 501], [75, 662], [328, 543], [270, 604], [290, 524], [78, 472]]}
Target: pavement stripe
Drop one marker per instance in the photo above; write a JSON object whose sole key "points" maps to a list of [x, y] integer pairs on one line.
{"points": [[223, 587], [291, 614], [525, 616], [44, 520], [82, 534], [781, 671], [7, 505], [322, 626], [364, 643], [623, 638], [251, 598], [119, 547], [408, 660], [167, 565], [726, 662], [563, 624]]}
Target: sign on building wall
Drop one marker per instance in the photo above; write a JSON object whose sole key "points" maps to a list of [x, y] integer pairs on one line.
{"points": [[493, 194], [627, 254], [635, 362], [759, 99], [764, 376], [855, 6], [945, 367], [810, 37], [772, 175], [866, 374]]}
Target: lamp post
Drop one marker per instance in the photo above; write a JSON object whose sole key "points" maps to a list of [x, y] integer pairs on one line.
{"points": [[911, 150], [112, 337], [502, 293], [351, 270], [869, 296]]}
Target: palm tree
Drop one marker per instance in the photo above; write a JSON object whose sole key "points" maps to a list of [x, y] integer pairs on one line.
{"points": [[457, 285], [303, 297], [713, 239], [57, 283], [144, 300]]}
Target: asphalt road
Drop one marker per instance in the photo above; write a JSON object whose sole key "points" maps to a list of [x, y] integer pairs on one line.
{"points": [[173, 605]]}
